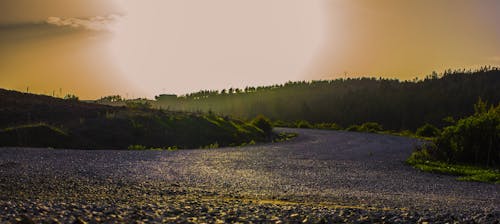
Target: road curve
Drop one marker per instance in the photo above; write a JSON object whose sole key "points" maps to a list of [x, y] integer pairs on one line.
{"points": [[320, 176]]}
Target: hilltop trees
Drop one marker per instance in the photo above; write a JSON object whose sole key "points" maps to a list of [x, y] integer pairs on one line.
{"points": [[396, 105]]}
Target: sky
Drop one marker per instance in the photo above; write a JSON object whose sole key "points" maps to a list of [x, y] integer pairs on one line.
{"points": [[94, 48]]}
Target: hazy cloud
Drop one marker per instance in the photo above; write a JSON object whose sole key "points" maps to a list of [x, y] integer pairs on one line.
{"points": [[92, 23]]}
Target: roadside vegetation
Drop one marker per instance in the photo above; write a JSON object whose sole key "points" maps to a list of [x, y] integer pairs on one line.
{"points": [[40, 121], [469, 147]]}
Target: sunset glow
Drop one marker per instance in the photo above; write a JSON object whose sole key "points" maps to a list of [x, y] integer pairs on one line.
{"points": [[184, 46], [144, 48]]}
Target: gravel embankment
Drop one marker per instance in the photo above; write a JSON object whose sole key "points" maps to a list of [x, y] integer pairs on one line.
{"points": [[321, 176]]}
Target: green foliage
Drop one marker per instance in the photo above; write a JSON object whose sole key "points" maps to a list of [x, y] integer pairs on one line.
{"points": [[353, 128], [465, 147], [372, 127], [136, 147], [304, 124], [428, 130], [263, 124], [449, 120], [474, 139]]}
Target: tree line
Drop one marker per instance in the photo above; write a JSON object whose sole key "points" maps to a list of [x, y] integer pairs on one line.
{"points": [[394, 104]]}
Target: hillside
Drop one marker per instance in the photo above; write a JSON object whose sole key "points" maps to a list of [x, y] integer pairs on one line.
{"points": [[397, 105], [43, 121]]}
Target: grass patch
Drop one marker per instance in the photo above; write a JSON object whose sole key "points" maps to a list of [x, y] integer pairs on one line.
{"points": [[464, 172]]}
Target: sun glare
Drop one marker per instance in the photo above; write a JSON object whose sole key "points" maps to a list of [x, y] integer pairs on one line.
{"points": [[182, 46]]}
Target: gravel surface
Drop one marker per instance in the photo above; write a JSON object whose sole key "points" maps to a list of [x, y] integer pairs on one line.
{"points": [[318, 177]]}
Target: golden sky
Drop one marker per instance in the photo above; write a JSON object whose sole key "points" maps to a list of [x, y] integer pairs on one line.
{"points": [[93, 48]]}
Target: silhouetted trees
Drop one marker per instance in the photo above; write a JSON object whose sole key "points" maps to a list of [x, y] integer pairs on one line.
{"points": [[396, 105], [110, 99]]}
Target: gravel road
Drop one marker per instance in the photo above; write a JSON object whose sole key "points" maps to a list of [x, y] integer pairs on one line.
{"points": [[318, 177]]}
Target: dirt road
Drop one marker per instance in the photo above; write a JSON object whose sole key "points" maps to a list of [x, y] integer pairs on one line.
{"points": [[321, 176]]}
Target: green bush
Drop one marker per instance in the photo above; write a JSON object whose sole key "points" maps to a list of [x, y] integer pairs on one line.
{"points": [[371, 127], [263, 124], [428, 130], [304, 124], [474, 139], [353, 128], [366, 127]]}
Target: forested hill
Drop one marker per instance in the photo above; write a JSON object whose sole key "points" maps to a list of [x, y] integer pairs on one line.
{"points": [[395, 104]]}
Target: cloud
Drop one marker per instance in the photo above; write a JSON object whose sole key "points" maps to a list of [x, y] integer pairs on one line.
{"points": [[93, 23]]}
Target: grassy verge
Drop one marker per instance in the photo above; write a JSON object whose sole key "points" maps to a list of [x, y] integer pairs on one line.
{"points": [[464, 172]]}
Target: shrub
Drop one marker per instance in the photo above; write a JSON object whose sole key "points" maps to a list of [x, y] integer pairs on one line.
{"points": [[304, 124], [474, 139], [353, 128], [263, 124], [371, 127], [335, 126], [366, 127], [428, 130]]}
